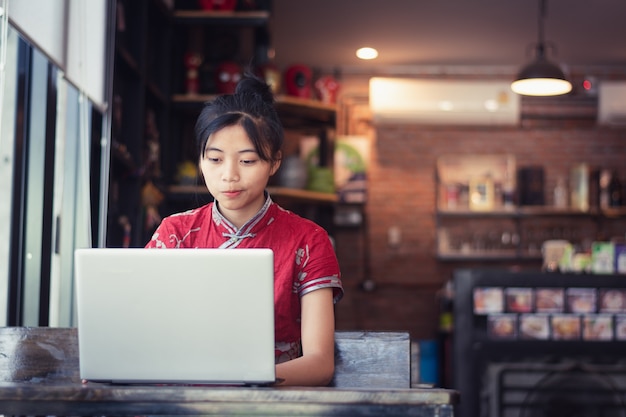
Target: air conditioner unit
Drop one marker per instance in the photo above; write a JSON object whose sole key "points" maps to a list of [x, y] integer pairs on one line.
{"points": [[443, 102], [612, 103]]}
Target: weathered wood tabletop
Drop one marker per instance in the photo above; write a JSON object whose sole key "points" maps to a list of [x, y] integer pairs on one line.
{"points": [[39, 375]]}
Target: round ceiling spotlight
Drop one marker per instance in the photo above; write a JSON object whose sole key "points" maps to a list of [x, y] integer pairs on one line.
{"points": [[367, 53]]}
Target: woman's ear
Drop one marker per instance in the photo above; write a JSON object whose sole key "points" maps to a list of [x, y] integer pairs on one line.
{"points": [[276, 163], [200, 175]]}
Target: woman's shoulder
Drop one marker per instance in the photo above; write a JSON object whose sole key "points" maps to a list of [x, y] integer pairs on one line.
{"points": [[182, 229], [295, 225], [191, 216], [290, 219]]}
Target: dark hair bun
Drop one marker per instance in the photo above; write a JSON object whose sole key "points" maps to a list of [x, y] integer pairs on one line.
{"points": [[250, 84]]}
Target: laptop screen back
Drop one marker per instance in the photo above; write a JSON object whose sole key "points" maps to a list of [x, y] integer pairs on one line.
{"points": [[176, 316]]}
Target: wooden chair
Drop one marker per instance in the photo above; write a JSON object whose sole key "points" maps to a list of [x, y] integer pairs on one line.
{"points": [[372, 360]]}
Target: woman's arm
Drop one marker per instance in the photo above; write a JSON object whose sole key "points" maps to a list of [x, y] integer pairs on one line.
{"points": [[317, 363]]}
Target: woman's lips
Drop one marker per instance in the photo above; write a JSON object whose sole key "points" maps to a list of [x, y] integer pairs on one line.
{"points": [[231, 194]]}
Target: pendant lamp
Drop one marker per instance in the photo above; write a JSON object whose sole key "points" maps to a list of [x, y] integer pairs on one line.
{"points": [[541, 77]]}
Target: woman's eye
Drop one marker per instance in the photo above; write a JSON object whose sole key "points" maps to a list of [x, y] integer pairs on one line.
{"points": [[248, 161], [211, 158]]}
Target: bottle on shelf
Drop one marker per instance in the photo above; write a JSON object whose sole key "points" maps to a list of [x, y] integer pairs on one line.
{"points": [[615, 191], [508, 194], [604, 183], [579, 187], [560, 193], [452, 196]]}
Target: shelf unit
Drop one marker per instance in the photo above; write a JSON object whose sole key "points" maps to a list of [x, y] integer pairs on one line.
{"points": [[294, 111], [217, 36], [196, 29], [478, 218], [302, 196], [518, 234], [140, 110], [154, 115], [239, 18]]}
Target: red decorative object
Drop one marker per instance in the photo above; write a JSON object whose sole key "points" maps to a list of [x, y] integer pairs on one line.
{"points": [[298, 81], [327, 89], [192, 79], [227, 76], [221, 5]]}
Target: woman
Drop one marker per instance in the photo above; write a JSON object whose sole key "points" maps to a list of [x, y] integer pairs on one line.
{"points": [[239, 140]]}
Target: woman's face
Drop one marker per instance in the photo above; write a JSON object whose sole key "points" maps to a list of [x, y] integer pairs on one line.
{"points": [[234, 174]]}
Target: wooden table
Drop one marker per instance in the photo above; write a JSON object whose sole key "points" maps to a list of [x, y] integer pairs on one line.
{"points": [[39, 376]]}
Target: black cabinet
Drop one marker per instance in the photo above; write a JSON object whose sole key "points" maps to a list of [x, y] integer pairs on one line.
{"points": [[531, 343]]}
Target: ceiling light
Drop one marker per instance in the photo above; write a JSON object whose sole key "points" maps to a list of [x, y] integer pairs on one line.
{"points": [[541, 77], [367, 53]]}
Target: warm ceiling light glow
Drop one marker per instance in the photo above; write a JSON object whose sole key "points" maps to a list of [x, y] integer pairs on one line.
{"points": [[541, 87], [366, 53], [541, 77]]}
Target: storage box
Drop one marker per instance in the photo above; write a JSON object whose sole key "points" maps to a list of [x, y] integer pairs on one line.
{"points": [[602, 257]]}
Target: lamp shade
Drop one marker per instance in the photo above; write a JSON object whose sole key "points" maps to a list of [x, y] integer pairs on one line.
{"points": [[541, 78]]}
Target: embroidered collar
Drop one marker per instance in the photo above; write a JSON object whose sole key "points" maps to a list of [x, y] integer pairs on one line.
{"points": [[235, 236]]}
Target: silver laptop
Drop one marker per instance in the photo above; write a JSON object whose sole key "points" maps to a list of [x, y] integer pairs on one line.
{"points": [[189, 316]]}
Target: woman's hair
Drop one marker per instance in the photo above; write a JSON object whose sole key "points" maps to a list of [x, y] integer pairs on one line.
{"points": [[251, 107]]}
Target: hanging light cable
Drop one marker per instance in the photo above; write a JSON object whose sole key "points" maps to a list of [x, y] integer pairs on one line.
{"points": [[541, 77]]}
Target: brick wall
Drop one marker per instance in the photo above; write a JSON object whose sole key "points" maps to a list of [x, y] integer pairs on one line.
{"points": [[401, 193]]}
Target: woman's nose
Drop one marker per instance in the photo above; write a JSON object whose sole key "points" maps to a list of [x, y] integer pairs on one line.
{"points": [[230, 172]]}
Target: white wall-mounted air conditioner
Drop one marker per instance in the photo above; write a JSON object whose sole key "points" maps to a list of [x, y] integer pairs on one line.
{"points": [[612, 103], [443, 102]]}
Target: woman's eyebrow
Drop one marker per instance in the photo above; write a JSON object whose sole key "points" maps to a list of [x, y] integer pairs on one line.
{"points": [[242, 151], [212, 148]]}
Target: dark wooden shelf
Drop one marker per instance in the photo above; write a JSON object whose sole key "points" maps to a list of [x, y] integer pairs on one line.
{"points": [[247, 18], [305, 196], [520, 216], [308, 104], [287, 102], [296, 111], [192, 98], [496, 255], [293, 111], [533, 211]]}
